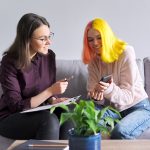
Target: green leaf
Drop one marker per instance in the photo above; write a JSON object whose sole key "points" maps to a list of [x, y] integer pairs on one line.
{"points": [[65, 107], [92, 125], [64, 117], [115, 111], [109, 121], [87, 119], [52, 109]]}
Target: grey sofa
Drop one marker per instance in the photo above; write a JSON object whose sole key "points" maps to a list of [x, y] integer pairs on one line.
{"points": [[77, 86]]}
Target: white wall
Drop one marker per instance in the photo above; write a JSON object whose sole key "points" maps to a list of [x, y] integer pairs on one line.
{"points": [[128, 18]]}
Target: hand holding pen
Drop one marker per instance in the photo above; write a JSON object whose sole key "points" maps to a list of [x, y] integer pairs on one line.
{"points": [[68, 79], [60, 86]]}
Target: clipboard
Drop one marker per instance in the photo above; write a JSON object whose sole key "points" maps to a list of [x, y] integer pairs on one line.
{"points": [[66, 102]]}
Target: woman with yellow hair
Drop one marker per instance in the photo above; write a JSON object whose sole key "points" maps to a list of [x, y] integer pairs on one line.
{"points": [[106, 55]]}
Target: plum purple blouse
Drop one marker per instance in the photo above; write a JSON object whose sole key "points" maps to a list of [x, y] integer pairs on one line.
{"points": [[20, 85]]}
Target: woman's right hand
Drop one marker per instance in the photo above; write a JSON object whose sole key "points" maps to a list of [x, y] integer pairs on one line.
{"points": [[59, 87]]}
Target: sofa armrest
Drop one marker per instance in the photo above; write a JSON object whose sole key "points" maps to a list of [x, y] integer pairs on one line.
{"points": [[146, 62]]}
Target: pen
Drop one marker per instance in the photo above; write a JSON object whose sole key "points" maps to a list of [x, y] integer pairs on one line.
{"points": [[46, 145], [67, 79]]}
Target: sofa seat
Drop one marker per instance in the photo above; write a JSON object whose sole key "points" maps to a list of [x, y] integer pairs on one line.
{"points": [[5, 142]]}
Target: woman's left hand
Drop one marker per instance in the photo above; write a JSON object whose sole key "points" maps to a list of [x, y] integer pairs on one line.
{"points": [[100, 87]]}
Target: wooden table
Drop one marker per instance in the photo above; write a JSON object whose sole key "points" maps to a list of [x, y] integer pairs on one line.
{"points": [[110, 144]]}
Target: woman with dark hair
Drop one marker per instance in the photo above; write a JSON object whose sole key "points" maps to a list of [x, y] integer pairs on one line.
{"points": [[28, 79], [107, 55]]}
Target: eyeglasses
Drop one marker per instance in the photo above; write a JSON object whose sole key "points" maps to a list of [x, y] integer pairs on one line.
{"points": [[44, 39]]}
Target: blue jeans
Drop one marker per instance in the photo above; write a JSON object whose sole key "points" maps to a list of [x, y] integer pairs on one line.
{"points": [[134, 122]]}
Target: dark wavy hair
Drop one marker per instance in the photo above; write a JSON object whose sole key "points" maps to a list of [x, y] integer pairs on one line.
{"points": [[20, 48]]}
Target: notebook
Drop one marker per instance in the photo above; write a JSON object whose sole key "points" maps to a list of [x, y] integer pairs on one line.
{"points": [[42, 145]]}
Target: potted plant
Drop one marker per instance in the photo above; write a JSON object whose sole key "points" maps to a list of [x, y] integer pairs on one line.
{"points": [[89, 124]]}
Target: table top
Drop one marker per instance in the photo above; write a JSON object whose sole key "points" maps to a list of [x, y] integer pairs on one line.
{"points": [[109, 144]]}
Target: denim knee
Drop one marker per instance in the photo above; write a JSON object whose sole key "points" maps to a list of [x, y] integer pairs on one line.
{"points": [[132, 125]]}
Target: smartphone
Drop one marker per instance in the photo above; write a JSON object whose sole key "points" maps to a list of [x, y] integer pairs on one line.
{"points": [[106, 78]]}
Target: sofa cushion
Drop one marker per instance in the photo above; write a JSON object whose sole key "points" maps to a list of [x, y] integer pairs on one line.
{"points": [[147, 74], [77, 85], [140, 67], [5, 142], [145, 134]]}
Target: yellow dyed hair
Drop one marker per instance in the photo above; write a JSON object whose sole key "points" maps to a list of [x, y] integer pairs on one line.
{"points": [[112, 47]]}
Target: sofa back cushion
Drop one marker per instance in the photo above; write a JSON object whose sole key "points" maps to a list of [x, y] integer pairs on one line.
{"points": [[140, 67], [77, 85]]}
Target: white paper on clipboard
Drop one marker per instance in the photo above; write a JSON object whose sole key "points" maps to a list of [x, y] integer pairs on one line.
{"points": [[66, 102]]}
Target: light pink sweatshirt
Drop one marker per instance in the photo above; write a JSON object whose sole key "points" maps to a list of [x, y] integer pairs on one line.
{"points": [[127, 88]]}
